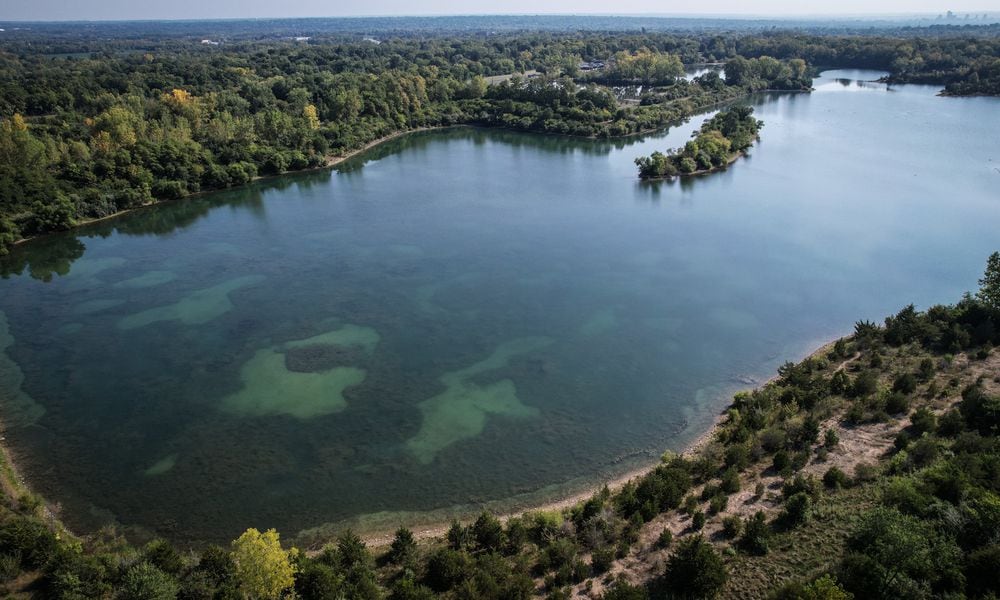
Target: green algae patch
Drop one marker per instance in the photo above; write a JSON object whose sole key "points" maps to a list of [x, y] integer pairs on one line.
{"points": [[196, 308], [270, 387], [150, 279], [19, 409], [161, 466], [460, 411], [348, 335]]}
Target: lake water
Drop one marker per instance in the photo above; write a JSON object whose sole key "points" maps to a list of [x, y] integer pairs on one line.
{"points": [[468, 317]]}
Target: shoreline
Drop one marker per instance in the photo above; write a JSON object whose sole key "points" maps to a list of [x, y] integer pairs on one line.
{"points": [[333, 161], [382, 537], [430, 531], [17, 489]]}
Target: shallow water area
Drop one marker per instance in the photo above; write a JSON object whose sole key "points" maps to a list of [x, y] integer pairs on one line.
{"points": [[471, 316]]}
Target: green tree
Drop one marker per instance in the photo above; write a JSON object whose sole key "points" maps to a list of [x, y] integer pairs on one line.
{"points": [[989, 285], [695, 570], [262, 567], [146, 582]]}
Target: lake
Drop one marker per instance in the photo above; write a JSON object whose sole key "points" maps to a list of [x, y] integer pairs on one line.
{"points": [[470, 317]]}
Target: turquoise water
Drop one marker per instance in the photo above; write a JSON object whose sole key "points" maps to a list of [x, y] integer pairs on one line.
{"points": [[468, 316]]}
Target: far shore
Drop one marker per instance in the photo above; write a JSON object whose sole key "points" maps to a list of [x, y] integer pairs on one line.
{"points": [[334, 160]]}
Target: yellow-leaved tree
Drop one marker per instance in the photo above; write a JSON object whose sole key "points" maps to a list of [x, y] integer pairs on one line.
{"points": [[264, 570]]}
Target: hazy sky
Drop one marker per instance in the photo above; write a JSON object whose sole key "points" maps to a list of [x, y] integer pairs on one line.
{"points": [[195, 9]]}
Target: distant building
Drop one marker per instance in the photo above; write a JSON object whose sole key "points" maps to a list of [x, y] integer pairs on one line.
{"points": [[210, 42]]}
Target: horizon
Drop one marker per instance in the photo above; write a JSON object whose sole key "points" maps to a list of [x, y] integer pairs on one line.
{"points": [[25, 11]]}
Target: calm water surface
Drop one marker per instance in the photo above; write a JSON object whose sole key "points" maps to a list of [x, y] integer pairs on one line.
{"points": [[470, 316]]}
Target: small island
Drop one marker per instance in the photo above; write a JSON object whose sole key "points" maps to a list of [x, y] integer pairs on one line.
{"points": [[720, 141]]}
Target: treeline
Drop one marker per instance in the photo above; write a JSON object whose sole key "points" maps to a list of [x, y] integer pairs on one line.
{"points": [[964, 65], [84, 138], [930, 532], [123, 122], [719, 140]]}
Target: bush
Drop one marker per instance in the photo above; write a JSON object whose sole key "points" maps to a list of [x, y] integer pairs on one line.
{"points": [[923, 421], [488, 532], [905, 384], [718, 504], [982, 573], [756, 535], [865, 472], [695, 570], [601, 559], [622, 590], [403, 547], [447, 568], [781, 461], [665, 538], [698, 520], [831, 439], [897, 403], [732, 525], [164, 556], [730, 481], [834, 478], [796, 511], [145, 582]]}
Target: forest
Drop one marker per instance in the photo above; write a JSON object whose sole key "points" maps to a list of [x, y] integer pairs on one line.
{"points": [[94, 124], [714, 146]]}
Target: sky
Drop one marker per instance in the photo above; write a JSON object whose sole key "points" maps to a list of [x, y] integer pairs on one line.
{"points": [[61, 10]]}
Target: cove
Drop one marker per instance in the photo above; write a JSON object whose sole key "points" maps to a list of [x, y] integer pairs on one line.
{"points": [[470, 316]]}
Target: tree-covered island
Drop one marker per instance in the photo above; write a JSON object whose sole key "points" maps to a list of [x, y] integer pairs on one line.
{"points": [[720, 141]]}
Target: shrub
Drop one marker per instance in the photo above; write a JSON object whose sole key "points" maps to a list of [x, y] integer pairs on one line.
{"points": [[834, 478], [897, 403], [905, 383], [730, 481], [865, 472], [698, 520], [781, 461], [830, 438], [695, 570], [665, 538], [923, 421], [601, 559], [756, 535], [718, 504], [926, 369], [981, 572], [164, 556], [447, 568], [488, 532], [796, 511], [732, 525], [622, 590], [403, 547], [145, 582]]}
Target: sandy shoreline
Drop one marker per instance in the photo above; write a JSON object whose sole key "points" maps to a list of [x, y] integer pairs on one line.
{"points": [[437, 529]]}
